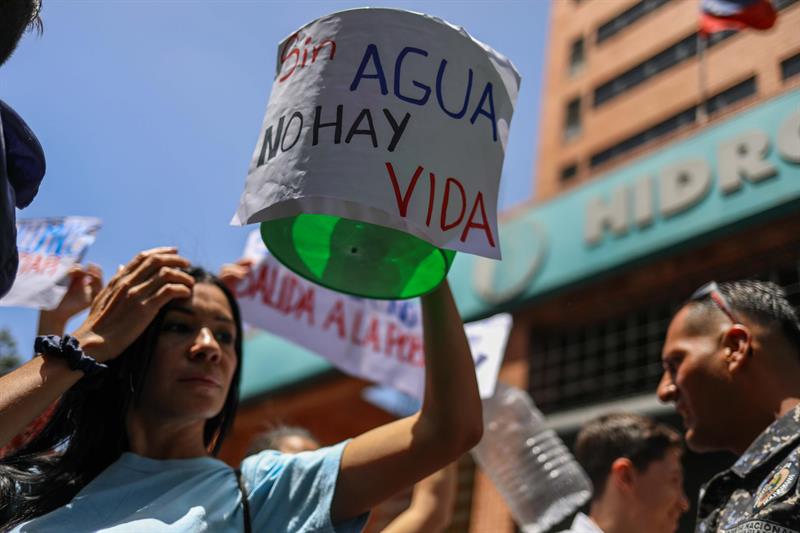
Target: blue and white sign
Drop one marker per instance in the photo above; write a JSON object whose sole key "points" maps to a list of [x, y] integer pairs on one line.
{"points": [[48, 247]]}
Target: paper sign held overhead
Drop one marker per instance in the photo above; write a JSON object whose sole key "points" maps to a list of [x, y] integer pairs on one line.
{"points": [[387, 117], [48, 247]]}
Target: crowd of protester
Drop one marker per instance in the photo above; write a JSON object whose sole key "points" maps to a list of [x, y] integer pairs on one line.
{"points": [[115, 426]]}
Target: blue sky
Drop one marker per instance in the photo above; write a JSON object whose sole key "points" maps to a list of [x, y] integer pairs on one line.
{"points": [[149, 110]]}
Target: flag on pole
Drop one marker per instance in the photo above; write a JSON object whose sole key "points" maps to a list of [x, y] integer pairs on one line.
{"points": [[723, 15]]}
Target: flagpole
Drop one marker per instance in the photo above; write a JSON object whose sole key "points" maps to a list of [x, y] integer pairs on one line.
{"points": [[702, 81]]}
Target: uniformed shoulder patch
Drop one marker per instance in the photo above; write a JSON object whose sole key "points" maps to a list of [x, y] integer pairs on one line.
{"points": [[760, 526], [779, 482]]}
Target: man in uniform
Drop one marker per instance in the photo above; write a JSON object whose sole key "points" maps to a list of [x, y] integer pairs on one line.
{"points": [[732, 367]]}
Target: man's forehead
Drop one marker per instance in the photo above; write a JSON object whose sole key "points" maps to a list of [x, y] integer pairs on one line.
{"points": [[678, 332]]}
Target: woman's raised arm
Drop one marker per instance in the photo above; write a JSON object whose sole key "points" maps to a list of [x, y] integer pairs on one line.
{"points": [[383, 461], [119, 313]]}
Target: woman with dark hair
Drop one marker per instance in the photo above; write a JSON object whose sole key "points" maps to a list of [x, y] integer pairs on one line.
{"points": [[149, 388]]}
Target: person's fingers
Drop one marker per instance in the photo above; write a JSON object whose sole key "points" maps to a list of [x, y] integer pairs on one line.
{"points": [[232, 270], [245, 262], [137, 261], [108, 295], [94, 281], [165, 275], [94, 269], [168, 292], [152, 265]]}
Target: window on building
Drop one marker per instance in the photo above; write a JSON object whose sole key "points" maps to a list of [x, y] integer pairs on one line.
{"points": [[616, 357], [790, 67], [731, 95], [572, 124], [577, 56], [671, 56], [715, 103], [568, 173], [626, 18]]}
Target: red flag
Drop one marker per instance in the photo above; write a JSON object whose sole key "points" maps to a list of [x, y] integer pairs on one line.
{"points": [[722, 15]]}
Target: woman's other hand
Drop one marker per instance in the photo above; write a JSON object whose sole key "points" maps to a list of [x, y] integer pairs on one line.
{"points": [[85, 283], [232, 273], [124, 308]]}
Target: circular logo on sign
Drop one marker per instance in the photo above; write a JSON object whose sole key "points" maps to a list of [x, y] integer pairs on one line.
{"points": [[524, 248]]}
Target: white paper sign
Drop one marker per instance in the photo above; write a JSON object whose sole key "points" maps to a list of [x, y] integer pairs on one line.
{"points": [[377, 340], [48, 247], [389, 117]]}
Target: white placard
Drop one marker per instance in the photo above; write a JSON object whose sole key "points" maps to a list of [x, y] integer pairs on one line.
{"points": [[377, 340], [48, 247], [390, 117]]}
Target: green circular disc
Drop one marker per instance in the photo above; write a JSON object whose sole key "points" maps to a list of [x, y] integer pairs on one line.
{"points": [[356, 257]]}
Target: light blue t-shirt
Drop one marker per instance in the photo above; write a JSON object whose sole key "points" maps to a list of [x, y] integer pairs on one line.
{"points": [[287, 494]]}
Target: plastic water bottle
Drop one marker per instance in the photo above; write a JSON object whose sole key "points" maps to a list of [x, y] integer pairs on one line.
{"points": [[538, 477]]}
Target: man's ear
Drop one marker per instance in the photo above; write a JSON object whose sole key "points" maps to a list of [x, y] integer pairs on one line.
{"points": [[736, 344], [623, 474]]}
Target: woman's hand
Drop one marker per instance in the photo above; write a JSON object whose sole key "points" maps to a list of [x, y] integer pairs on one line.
{"points": [[84, 285], [232, 273], [131, 300]]}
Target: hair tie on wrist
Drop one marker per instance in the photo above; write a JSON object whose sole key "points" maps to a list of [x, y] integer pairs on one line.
{"points": [[67, 348]]}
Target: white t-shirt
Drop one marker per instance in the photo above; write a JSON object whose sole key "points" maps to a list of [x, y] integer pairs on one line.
{"points": [[287, 493], [583, 524]]}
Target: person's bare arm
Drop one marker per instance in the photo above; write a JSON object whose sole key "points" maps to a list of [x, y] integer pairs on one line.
{"points": [[432, 502], [383, 461], [119, 314]]}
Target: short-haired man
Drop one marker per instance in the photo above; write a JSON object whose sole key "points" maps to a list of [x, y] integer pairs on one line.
{"points": [[732, 367], [635, 467]]}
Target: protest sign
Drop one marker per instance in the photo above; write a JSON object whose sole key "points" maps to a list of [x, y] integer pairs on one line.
{"points": [[376, 340], [48, 247], [386, 117]]}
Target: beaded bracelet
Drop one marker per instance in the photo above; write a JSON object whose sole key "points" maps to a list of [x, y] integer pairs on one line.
{"points": [[67, 348]]}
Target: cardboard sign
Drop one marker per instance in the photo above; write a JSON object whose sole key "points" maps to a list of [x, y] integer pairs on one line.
{"points": [[389, 117], [48, 247], [377, 340]]}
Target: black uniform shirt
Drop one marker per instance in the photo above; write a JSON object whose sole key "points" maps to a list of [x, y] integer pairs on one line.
{"points": [[760, 493]]}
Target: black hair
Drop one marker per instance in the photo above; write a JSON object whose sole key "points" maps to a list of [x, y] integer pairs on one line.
{"points": [[273, 439], [764, 302], [15, 17], [87, 431], [607, 438]]}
